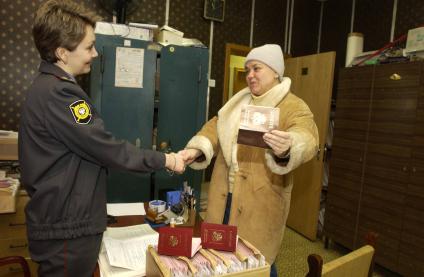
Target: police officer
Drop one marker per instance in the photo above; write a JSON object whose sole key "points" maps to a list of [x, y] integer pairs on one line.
{"points": [[64, 150]]}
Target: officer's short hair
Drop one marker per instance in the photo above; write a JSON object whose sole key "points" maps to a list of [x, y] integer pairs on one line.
{"points": [[60, 23]]}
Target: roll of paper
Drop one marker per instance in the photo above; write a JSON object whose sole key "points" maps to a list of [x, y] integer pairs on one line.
{"points": [[355, 46]]}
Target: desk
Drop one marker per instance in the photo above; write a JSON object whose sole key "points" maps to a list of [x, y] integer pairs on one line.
{"points": [[122, 221]]}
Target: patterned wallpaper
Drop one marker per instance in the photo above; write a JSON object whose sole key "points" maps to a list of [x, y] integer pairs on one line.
{"points": [[374, 20], [234, 29], [18, 58], [270, 19], [305, 27]]}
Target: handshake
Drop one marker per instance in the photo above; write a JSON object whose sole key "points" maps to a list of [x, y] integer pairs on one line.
{"points": [[177, 162]]}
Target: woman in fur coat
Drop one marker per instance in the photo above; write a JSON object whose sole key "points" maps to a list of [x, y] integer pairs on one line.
{"points": [[251, 186]]}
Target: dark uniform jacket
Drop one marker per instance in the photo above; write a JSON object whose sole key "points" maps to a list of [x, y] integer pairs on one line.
{"points": [[64, 153]]}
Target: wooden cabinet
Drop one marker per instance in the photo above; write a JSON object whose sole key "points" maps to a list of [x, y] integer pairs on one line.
{"points": [[377, 167], [13, 238]]}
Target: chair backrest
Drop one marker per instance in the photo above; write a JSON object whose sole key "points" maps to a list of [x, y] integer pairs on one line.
{"points": [[358, 263], [16, 260]]}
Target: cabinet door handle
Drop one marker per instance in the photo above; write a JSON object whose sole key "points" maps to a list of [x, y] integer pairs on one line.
{"points": [[414, 169], [11, 224], [18, 246], [395, 77], [165, 147], [404, 169]]}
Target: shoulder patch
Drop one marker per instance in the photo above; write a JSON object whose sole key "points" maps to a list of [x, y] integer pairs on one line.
{"points": [[81, 112]]}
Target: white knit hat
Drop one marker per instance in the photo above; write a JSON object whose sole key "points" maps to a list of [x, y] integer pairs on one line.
{"points": [[269, 54]]}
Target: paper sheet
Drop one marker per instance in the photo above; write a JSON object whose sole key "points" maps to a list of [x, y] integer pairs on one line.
{"points": [[121, 209], [129, 67], [124, 249]]}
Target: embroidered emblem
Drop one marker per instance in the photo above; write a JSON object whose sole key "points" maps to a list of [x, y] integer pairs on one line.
{"points": [[81, 112], [216, 236], [173, 241]]}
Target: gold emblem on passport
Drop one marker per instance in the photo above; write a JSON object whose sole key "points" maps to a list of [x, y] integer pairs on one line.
{"points": [[173, 241], [216, 236], [81, 112]]}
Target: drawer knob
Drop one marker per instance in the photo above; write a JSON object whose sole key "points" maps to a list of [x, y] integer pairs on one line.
{"points": [[395, 77]]}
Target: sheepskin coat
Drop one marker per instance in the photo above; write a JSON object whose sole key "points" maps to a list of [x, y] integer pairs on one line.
{"points": [[260, 186]]}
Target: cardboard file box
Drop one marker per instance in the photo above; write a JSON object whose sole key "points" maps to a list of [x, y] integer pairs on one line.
{"points": [[155, 268], [168, 35]]}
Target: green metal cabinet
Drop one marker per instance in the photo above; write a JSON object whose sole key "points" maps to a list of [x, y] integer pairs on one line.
{"points": [[182, 108], [177, 112]]}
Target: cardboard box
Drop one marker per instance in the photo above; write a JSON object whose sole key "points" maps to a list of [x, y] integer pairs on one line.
{"points": [[155, 268], [125, 31], [8, 146], [168, 35], [415, 41]]}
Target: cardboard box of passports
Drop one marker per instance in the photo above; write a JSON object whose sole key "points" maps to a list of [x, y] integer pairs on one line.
{"points": [[155, 267]]}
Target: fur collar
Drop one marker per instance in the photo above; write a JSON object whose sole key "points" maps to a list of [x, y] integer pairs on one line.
{"points": [[229, 117]]}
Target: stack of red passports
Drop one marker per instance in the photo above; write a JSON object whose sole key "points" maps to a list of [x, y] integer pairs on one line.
{"points": [[175, 241], [219, 236]]}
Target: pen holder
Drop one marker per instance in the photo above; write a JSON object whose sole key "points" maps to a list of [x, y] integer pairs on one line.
{"points": [[189, 217]]}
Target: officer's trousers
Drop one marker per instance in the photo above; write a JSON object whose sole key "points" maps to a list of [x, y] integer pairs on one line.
{"points": [[69, 258]]}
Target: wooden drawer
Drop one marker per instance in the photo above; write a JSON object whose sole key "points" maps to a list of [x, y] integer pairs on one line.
{"points": [[381, 212], [412, 244], [13, 224], [14, 247], [409, 73], [356, 77], [387, 249], [410, 266], [335, 201], [339, 234], [344, 217], [388, 234]]}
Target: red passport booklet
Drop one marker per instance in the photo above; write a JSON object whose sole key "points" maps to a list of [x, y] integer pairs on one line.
{"points": [[219, 236], [177, 241], [255, 121]]}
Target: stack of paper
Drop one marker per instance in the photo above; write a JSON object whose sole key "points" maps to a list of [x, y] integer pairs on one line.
{"points": [[123, 251]]}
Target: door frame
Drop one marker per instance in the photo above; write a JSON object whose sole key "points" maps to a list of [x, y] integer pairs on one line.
{"points": [[231, 49]]}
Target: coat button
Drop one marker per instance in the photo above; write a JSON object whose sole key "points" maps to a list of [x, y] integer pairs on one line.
{"points": [[240, 210]]}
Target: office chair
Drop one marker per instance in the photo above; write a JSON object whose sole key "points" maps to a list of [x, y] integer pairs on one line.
{"points": [[16, 260]]}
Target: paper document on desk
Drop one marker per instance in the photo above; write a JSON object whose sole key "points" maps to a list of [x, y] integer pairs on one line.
{"points": [[123, 250], [122, 209]]}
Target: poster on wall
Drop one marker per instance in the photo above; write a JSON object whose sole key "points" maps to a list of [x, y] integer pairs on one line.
{"points": [[129, 67]]}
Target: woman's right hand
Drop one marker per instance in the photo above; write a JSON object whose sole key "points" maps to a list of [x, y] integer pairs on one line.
{"points": [[175, 162], [189, 155]]}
